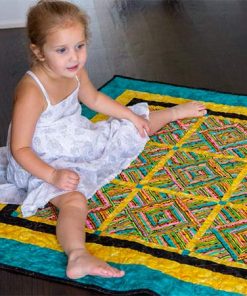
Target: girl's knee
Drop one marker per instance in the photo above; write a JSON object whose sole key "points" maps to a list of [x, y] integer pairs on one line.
{"points": [[75, 199]]}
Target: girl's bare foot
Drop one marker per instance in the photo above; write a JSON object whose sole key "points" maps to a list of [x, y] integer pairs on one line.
{"points": [[82, 263], [188, 110]]}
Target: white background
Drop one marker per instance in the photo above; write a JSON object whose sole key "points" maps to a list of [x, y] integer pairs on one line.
{"points": [[13, 12]]}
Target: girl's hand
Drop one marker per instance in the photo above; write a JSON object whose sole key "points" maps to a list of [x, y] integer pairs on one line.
{"points": [[142, 125], [65, 179]]}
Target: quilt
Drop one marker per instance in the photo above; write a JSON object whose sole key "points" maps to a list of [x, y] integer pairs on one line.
{"points": [[175, 220]]}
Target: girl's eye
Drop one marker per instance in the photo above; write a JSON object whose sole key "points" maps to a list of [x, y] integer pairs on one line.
{"points": [[61, 50], [79, 46]]}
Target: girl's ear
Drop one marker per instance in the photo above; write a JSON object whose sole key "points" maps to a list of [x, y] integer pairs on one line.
{"points": [[37, 52]]}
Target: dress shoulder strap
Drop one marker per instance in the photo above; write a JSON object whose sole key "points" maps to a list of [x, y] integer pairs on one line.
{"points": [[36, 79]]}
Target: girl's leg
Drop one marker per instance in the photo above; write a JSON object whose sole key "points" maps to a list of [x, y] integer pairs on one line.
{"points": [[71, 235], [187, 110]]}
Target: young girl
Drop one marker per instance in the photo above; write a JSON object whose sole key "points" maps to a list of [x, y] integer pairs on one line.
{"points": [[56, 155]]}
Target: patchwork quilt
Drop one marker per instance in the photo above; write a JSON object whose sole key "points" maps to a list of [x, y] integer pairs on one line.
{"points": [[175, 220]]}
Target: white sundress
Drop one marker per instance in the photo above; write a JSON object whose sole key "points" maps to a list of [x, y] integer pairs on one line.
{"points": [[64, 138]]}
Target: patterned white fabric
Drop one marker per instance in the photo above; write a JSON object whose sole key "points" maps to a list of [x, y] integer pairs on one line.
{"points": [[65, 139]]}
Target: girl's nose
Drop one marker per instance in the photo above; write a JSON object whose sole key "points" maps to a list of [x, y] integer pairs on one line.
{"points": [[73, 55]]}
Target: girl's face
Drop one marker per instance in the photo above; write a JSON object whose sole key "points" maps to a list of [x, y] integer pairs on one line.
{"points": [[64, 52]]}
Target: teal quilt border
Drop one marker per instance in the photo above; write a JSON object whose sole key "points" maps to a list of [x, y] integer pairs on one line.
{"points": [[51, 263], [118, 84]]}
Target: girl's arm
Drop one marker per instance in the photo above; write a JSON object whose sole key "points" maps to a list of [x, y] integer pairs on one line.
{"points": [[101, 103], [28, 105], [98, 101]]}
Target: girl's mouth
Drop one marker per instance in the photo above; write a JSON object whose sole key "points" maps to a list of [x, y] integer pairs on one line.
{"points": [[73, 68]]}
